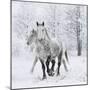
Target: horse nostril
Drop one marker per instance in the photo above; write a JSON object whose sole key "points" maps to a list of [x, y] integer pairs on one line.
{"points": [[27, 43]]}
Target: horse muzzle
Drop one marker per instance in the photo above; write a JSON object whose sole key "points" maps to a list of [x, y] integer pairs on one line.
{"points": [[27, 43]]}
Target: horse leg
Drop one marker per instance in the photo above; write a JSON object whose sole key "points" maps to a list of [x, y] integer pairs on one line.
{"points": [[47, 64], [65, 66], [43, 68], [53, 64], [51, 71], [59, 62], [34, 63]]}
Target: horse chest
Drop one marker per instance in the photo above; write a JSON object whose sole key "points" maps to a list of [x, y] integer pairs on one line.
{"points": [[42, 52]]}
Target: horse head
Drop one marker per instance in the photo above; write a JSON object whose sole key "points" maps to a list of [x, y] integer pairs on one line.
{"points": [[32, 37], [42, 32], [40, 26]]}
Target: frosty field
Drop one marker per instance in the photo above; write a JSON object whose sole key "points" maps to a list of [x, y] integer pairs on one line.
{"points": [[64, 26], [23, 78]]}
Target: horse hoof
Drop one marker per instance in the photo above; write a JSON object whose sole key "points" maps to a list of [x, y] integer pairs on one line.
{"points": [[43, 78], [51, 73], [31, 71], [58, 74]]}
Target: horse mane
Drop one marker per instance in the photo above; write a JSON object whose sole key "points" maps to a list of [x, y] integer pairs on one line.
{"points": [[47, 34]]}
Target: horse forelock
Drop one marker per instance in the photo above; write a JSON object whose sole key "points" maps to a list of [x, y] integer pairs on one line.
{"points": [[42, 34]]}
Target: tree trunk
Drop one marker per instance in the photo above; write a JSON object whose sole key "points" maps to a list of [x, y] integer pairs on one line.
{"points": [[79, 43], [79, 47]]}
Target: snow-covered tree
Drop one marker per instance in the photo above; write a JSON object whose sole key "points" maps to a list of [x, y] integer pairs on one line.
{"points": [[74, 26]]}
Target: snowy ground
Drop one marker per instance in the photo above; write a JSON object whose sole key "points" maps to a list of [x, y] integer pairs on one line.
{"points": [[57, 21], [22, 78]]}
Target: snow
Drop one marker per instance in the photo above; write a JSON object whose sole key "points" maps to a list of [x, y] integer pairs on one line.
{"points": [[24, 17], [23, 78]]}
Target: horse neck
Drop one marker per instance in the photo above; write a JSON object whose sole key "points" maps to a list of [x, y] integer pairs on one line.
{"points": [[43, 35], [47, 34], [47, 37], [36, 40]]}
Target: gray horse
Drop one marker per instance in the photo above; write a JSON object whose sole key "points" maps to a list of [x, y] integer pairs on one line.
{"points": [[42, 52], [54, 47], [46, 50]]}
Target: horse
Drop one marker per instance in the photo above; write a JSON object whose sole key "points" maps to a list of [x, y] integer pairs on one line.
{"points": [[42, 52], [55, 47], [47, 51]]}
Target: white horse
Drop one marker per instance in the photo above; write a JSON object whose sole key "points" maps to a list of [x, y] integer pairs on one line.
{"points": [[46, 50]]}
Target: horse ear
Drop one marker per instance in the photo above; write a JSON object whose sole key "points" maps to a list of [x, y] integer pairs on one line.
{"points": [[37, 23], [43, 23]]}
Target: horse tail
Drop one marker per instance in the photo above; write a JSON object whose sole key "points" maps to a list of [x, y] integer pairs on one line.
{"points": [[66, 55], [65, 66]]}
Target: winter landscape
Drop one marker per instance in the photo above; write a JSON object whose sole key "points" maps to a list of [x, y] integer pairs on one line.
{"points": [[67, 23]]}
